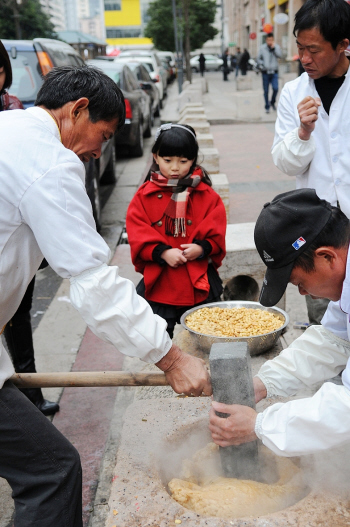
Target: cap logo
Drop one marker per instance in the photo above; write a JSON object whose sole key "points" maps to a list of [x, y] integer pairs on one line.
{"points": [[267, 257], [298, 243]]}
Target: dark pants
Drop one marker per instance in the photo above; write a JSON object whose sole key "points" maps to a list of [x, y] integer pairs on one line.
{"points": [[41, 466], [270, 78]]}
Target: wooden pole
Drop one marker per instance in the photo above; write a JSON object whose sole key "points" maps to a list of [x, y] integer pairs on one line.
{"points": [[88, 378]]}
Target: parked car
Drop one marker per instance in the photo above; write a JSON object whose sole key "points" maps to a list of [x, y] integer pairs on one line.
{"points": [[157, 72], [212, 63], [171, 59], [141, 72], [31, 60], [138, 122]]}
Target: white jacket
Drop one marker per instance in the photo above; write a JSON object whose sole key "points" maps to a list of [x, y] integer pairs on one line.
{"points": [[320, 422], [322, 162], [45, 212]]}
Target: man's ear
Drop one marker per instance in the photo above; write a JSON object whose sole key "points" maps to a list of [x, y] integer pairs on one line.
{"points": [[344, 44], [78, 107], [327, 253]]}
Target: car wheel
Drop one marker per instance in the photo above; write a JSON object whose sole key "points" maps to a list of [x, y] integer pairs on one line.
{"points": [[148, 131], [161, 104], [194, 69], [109, 175], [93, 191], [137, 150], [157, 112]]}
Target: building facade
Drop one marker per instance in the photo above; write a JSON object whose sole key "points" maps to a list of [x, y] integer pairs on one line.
{"points": [[247, 18], [55, 9], [125, 21]]}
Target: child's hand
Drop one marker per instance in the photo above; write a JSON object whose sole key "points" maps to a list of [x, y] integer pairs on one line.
{"points": [[191, 251], [174, 257]]}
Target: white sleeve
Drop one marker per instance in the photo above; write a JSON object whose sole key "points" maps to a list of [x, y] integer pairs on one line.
{"points": [[289, 153], [309, 425], [114, 311], [315, 356], [57, 209]]}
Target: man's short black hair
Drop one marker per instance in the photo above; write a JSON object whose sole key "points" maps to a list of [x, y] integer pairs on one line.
{"points": [[336, 233], [6, 64], [269, 35], [69, 83], [331, 17]]}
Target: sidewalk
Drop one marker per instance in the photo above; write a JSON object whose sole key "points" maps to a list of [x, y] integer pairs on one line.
{"points": [[93, 418]]}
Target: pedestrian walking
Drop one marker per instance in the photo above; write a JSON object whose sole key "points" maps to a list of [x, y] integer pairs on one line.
{"points": [[225, 66], [268, 56], [45, 212], [243, 63], [18, 331], [315, 150], [302, 240], [201, 64], [176, 225], [238, 60]]}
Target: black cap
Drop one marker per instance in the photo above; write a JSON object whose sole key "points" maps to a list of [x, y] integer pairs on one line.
{"points": [[286, 227]]}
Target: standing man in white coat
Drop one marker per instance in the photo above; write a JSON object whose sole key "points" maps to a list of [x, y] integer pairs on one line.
{"points": [[313, 119], [46, 213], [303, 240]]}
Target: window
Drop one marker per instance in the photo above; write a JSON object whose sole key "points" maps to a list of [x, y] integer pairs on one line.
{"points": [[125, 32], [113, 6]]}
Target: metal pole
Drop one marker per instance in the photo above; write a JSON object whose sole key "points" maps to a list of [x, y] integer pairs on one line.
{"points": [[222, 26], [179, 66]]}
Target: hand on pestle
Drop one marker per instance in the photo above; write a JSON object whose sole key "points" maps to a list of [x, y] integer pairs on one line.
{"points": [[235, 429], [185, 373]]}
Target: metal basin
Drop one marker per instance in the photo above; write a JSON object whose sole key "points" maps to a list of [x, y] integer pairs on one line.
{"points": [[256, 344]]}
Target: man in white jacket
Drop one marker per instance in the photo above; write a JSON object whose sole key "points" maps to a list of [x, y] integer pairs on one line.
{"points": [[45, 212], [312, 128], [303, 240]]}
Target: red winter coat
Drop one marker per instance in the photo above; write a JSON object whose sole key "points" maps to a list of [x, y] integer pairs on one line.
{"points": [[10, 102], [187, 284]]}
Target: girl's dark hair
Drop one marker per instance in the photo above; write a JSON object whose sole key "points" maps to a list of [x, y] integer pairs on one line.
{"points": [[69, 83], [6, 64], [331, 17], [336, 233], [177, 142]]}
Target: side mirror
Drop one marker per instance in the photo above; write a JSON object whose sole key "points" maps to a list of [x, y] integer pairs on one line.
{"points": [[146, 85]]}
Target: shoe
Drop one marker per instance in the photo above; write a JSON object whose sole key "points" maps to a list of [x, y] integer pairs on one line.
{"points": [[47, 407], [273, 107], [268, 110]]}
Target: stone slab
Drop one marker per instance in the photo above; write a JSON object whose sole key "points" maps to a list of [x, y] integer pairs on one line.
{"points": [[157, 435], [244, 83], [247, 105], [201, 127], [205, 140], [210, 160], [221, 186], [189, 96], [188, 117], [232, 382]]}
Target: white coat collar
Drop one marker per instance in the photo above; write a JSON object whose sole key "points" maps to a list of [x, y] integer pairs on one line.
{"points": [[344, 302], [46, 118]]}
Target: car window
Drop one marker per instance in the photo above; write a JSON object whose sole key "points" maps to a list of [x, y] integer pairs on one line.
{"points": [[114, 75], [144, 75], [26, 79], [131, 79], [76, 61], [148, 66]]}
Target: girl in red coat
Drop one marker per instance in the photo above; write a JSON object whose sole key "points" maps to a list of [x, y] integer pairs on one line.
{"points": [[176, 225]]}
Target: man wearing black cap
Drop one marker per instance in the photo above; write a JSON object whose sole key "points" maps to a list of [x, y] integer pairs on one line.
{"points": [[303, 240]]}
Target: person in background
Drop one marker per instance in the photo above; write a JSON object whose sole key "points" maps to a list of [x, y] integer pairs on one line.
{"points": [[201, 61], [238, 59], [225, 66], [313, 118], [18, 331], [243, 62], [268, 56], [176, 225]]}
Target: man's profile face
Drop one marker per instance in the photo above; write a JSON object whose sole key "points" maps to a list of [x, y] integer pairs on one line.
{"points": [[84, 137], [316, 54], [320, 283]]}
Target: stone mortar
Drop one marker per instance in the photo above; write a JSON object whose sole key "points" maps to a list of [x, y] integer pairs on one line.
{"points": [[157, 435]]}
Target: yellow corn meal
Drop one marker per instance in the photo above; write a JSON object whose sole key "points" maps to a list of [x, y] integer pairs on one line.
{"points": [[233, 322]]}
